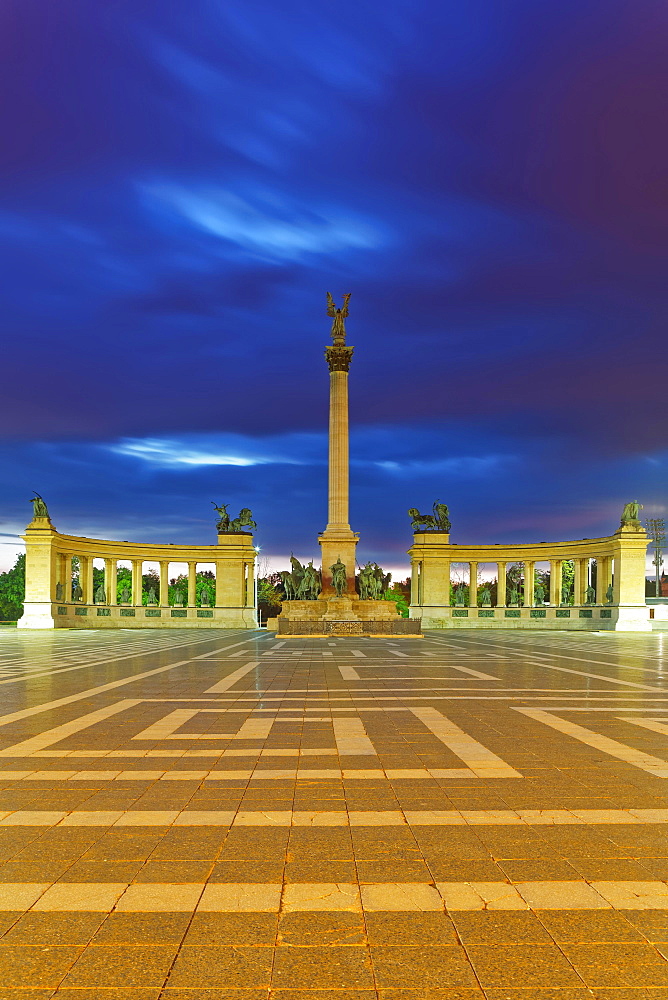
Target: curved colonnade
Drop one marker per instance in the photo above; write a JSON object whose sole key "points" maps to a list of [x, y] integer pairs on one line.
{"points": [[49, 601], [619, 559]]}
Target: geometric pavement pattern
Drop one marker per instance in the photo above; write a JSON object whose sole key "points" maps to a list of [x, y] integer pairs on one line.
{"points": [[476, 816]]}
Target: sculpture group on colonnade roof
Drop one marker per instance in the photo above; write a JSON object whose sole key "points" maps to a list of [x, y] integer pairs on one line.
{"points": [[224, 525], [439, 520]]}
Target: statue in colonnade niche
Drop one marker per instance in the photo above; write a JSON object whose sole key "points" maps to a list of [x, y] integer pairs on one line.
{"points": [[513, 597], [59, 591], [485, 597], [609, 594], [339, 578], [459, 595], [539, 594], [565, 595], [100, 596], [205, 597], [178, 598], [77, 593], [630, 514], [590, 595], [151, 597], [39, 508], [125, 596]]}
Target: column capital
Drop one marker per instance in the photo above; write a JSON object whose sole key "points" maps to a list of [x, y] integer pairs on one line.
{"points": [[338, 358]]}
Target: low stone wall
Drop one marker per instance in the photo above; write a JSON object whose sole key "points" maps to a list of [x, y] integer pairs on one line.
{"points": [[119, 616], [368, 627], [584, 618]]}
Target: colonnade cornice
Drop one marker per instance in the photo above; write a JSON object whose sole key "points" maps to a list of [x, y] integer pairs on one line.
{"points": [[429, 545], [229, 546]]}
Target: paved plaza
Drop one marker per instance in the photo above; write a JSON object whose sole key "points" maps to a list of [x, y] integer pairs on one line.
{"points": [[226, 815]]}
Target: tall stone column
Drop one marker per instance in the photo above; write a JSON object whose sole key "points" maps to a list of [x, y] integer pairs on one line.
{"points": [[529, 573], [164, 583], [473, 585], [65, 576], [579, 580], [192, 584], [501, 569], [338, 541]]}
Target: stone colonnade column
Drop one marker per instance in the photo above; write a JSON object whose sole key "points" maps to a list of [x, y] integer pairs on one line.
{"points": [[164, 583], [192, 584], [416, 568], [529, 573], [110, 580], [555, 582], [579, 580], [65, 575], [501, 569], [137, 582], [600, 579], [473, 584], [86, 578]]}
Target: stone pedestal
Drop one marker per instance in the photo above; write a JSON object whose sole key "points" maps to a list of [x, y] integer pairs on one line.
{"points": [[338, 543], [344, 616]]}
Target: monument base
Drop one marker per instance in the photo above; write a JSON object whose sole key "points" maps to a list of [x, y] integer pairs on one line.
{"points": [[344, 616]]}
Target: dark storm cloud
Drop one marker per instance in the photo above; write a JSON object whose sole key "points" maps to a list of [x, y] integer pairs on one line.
{"points": [[179, 187]]}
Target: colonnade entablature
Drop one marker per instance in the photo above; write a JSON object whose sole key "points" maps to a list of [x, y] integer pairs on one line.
{"points": [[87, 594], [592, 583]]}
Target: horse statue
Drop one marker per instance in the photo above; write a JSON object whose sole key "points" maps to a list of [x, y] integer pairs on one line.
{"points": [[245, 520]]}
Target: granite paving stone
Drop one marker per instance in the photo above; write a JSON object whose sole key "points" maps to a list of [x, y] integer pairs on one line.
{"points": [[142, 865]]}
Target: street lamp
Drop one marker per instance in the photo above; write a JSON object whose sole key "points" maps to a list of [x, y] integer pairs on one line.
{"points": [[656, 529], [255, 584]]}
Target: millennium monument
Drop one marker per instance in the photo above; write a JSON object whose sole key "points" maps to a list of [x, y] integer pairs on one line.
{"points": [[330, 604], [590, 584]]}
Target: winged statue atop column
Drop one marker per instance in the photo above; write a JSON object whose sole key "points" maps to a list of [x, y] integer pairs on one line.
{"points": [[339, 316]]}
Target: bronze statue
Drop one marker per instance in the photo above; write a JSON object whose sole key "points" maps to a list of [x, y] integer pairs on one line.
{"points": [[486, 597], [439, 520], [245, 520], [565, 595], [205, 598], [125, 596], [223, 523], [539, 594], [151, 598], [608, 594], [367, 583], [339, 316], [339, 578], [630, 513], [59, 591], [441, 516], [78, 592], [590, 595], [39, 508], [311, 584], [100, 596]]}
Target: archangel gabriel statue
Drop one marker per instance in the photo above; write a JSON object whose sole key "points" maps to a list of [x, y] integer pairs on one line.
{"points": [[338, 315]]}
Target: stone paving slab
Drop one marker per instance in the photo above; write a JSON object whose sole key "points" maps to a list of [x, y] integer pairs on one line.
{"points": [[481, 817]]}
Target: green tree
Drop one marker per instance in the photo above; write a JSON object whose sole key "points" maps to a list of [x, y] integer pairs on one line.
{"points": [[269, 597], [13, 590], [397, 594]]}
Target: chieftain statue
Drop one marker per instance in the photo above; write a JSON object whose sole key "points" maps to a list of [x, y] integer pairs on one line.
{"points": [[39, 508], [373, 582], [339, 578], [439, 520], [303, 583]]}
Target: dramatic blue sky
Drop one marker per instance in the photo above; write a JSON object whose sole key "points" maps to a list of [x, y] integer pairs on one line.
{"points": [[180, 185]]}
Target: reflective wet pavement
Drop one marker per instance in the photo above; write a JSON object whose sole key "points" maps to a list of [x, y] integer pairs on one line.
{"points": [[471, 816]]}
